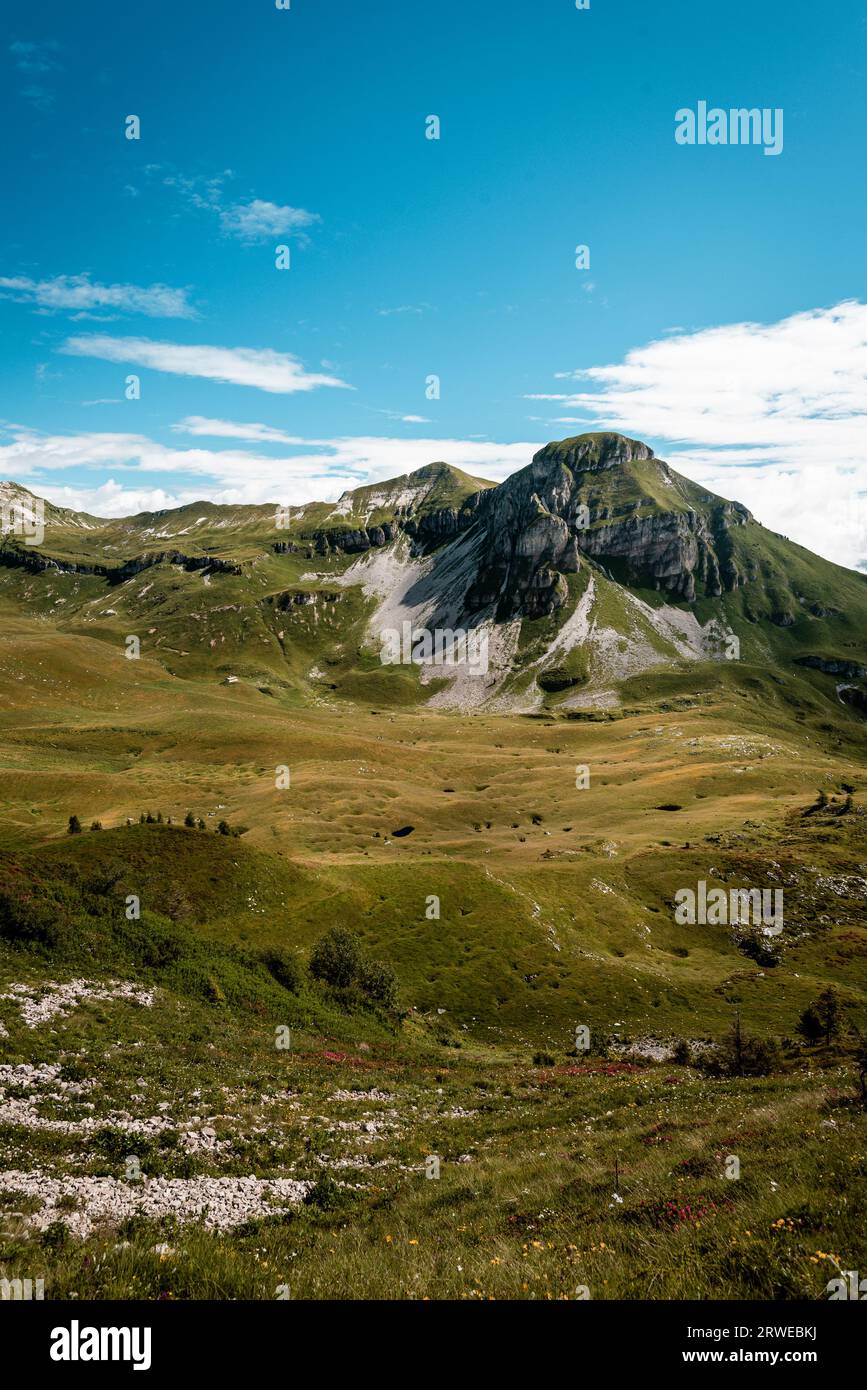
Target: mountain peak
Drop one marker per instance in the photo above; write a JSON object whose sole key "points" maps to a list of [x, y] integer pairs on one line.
{"points": [[594, 452]]}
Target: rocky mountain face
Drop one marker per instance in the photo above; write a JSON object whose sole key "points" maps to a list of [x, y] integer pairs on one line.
{"points": [[575, 497], [582, 495], [593, 563]]}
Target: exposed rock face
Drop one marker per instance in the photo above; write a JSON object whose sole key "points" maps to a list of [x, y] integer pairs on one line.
{"points": [[571, 499], [833, 666], [672, 551], [429, 529], [353, 542], [432, 528], [30, 559]]}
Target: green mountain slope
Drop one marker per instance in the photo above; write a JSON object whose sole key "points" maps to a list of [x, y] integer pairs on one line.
{"points": [[595, 563]]}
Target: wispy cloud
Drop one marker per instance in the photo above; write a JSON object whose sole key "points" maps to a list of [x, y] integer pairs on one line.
{"points": [[81, 294], [247, 220], [40, 97], [404, 419], [403, 309], [277, 372], [319, 471], [229, 429], [37, 60], [774, 414], [37, 57]]}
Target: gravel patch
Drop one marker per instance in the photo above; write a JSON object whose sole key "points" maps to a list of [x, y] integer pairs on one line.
{"points": [[219, 1203]]}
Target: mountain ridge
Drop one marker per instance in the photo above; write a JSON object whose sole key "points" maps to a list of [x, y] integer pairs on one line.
{"points": [[594, 563]]}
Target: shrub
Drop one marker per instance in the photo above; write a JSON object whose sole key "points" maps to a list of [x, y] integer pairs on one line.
{"points": [[284, 967], [740, 1055], [326, 1193], [337, 958], [828, 1010], [809, 1025], [55, 1236], [74, 827], [379, 982]]}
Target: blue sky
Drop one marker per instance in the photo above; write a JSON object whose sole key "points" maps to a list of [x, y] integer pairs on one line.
{"points": [[722, 317]]}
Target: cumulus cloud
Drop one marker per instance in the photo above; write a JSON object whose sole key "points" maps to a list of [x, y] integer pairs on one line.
{"points": [[319, 472], [277, 372], [258, 220], [773, 414], [79, 293]]}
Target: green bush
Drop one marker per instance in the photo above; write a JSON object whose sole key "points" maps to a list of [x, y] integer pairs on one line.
{"points": [[283, 966], [339, 960], [379, 982], [326, 1194]]}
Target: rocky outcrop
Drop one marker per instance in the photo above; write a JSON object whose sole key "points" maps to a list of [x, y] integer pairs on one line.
{"points": [[833, 666], [434, 527], [426, 530], [569, 501], [301, 598], [354, 541], [36, 563]]}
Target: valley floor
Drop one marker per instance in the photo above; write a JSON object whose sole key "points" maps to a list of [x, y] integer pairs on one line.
{"points": [[187, 1114]]}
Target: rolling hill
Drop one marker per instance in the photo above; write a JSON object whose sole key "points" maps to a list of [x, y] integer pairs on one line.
{"points": [[674, 695]]}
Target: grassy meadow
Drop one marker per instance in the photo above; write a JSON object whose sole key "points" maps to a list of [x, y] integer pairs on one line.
{"points": [[517, 906]]}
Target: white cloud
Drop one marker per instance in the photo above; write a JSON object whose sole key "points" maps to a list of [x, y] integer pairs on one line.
{"points": [[250, 221], [229, 429], [325, 469], [404, 419], [277, 372], [79, 292], [258, 220], [110, 499], [773, 414]]}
